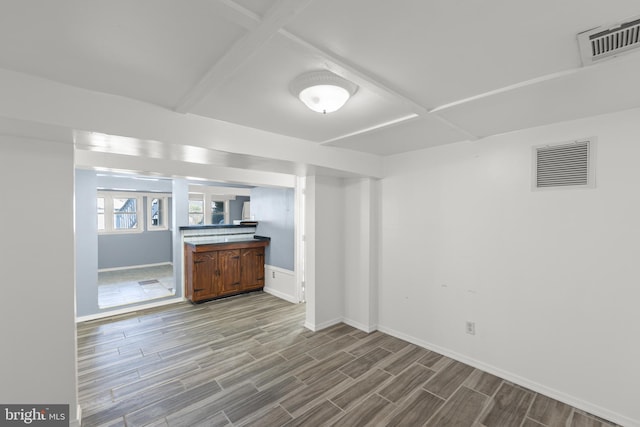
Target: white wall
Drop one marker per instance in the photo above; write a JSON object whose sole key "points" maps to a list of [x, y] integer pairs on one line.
{"points": [[551, 278], [179, 217], [281, 283], [37, 324], [360, 246], [324, 251], [341, 248]]}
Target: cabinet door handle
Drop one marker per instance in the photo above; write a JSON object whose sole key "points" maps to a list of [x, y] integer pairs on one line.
{"points": [[235, 257], [236, 284], [198, 262], [260, 278], [198, 290]]}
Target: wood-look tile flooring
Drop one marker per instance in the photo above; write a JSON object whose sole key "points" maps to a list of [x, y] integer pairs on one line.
{"points": [[248, 361], [135, 285]]}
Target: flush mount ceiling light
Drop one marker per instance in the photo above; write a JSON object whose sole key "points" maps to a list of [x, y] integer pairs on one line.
{"points": [[322, 91]]}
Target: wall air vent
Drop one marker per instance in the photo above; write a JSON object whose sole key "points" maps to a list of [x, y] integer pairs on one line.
{"points": [[605, 42], [565, 165]]}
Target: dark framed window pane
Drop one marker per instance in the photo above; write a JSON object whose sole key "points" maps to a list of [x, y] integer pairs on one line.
{"points": [[125, 221], [125, 205], [157, 212], [217, 212]]}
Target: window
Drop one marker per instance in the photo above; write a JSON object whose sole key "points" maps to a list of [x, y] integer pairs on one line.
{"points": [[196, 209], [211, 204], [217, 212], [125, 213], [157, 212], [246, 210], [101, 218], [119, 213]]}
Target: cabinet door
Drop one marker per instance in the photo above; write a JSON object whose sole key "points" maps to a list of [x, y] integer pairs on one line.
{"points": [[252, 268], [229, 270], [205, 266]]}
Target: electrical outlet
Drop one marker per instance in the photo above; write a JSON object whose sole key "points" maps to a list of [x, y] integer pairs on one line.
{"points": [[471, 328], [273, 274]]}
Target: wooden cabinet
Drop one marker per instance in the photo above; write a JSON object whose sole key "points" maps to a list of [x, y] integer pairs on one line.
{"points": [[205, 267], [252, 271], [223, 269]]}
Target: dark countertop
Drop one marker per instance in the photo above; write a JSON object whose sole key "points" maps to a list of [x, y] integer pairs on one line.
{"points": [[215, 226], [222, 239]]}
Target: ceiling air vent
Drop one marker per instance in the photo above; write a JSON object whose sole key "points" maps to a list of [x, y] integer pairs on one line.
{"points": [[566, 165], [605, 42]]}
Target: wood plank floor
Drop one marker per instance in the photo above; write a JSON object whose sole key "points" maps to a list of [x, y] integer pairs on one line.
{"points": [[248, 361]]}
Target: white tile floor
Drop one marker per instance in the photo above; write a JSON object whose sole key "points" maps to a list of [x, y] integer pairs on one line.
{"points": [[122, 287]]}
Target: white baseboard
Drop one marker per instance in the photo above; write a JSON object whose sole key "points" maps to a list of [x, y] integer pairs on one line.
{"points": [[129, 309], [324, 325], [281, 295], [131, 267], [365, 328], [320, 326], [310, 326], [281, 283], [77, 422], [532, 385]]}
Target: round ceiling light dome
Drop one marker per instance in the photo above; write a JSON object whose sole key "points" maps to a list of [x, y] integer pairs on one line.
{"points": [[323, 91]]}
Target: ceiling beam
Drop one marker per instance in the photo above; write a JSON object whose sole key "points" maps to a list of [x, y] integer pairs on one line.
{"points": [[509, 88], [375, 84], [241, 51], [339, 65], [351, 71], [371, 129], [249, 20], [237, 14]]}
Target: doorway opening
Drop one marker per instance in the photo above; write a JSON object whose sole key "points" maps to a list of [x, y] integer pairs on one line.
{"points": [[134, 241]]}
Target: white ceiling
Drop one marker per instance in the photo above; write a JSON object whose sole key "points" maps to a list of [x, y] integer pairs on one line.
{"points": [[430, 72]]}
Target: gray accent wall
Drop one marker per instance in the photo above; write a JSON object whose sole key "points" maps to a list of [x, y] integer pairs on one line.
{"points": [[147, 247], [274, 209], [131, 249], [128, 250], [235, 208], [86, 243]]}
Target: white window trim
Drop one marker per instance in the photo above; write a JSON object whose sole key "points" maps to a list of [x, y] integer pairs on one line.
{"points": [[198, 197], [165, 202], [207, 198], [108, 212], [216, 198]]}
